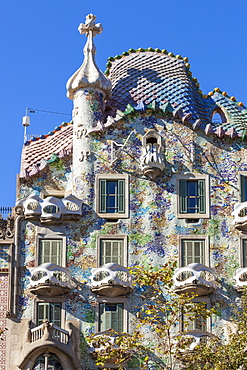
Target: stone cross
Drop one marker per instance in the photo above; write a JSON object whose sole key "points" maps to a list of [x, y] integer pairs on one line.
{"points": [[90, 25]]}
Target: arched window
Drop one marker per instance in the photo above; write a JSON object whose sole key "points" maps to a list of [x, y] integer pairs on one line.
{"points": [[52, 363], [218, 116], [151, 140], [151, 137]]}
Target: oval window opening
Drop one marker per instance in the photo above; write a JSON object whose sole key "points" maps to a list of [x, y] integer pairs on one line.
{"points": [[51, 209], [32, 206]]}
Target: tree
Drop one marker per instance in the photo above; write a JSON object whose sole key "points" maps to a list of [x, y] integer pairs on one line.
{"points": [[161, 318], [218, 354]]}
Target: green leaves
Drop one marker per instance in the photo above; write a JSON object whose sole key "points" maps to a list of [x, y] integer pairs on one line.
{"points": [[157, 339]]}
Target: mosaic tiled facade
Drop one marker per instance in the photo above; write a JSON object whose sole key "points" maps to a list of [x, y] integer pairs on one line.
{"points": [[139, 177]]}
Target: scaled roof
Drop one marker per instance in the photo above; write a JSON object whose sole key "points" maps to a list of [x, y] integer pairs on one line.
{"points": [[140, 78], [39, 151], [148, 76]]}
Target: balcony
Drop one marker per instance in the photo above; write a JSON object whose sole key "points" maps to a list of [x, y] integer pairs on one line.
{"points": [[7, 221], [240, 216], [197, 337], [49, 331], [48, 337], [152, 161], [241, 279], [106, 342], [111, 280], [194, 279], [50, 210], [50, 280]]}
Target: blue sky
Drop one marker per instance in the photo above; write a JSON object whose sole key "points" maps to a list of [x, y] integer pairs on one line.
{"points": [[41, 48]]}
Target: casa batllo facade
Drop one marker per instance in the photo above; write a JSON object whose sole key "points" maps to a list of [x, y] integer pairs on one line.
{"points": [[149, 169]]}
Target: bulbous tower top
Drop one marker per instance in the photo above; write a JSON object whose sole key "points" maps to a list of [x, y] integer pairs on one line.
{"points": [[89, 75]]}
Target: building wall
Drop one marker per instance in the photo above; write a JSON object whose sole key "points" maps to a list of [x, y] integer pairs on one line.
{"points": [[153, 229]]}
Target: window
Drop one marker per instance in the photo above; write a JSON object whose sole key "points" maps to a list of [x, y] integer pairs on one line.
{"points": [[50, 250], [198, 324], [244, 241], [243, 188], [192, 251], [49, 311], [193, 200], [192, 196], [243, 253], [218, 116], [53, 363], [111, 316], [112, 196], [111, 251]]}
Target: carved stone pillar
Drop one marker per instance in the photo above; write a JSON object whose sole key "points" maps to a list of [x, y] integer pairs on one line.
{"points": [[88, 88]]}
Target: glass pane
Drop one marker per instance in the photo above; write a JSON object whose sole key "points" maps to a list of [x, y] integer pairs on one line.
{"points": [[53, 363], [55, 313], [43, 312], [111, 307], [192, 192], [245, 189], [111, 196], [244, 241], [107, 248]]}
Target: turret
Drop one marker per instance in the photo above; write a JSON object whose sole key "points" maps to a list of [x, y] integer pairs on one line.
{"points": [[89, 88]]}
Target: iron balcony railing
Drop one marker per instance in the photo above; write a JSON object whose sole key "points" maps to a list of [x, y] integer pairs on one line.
{"points": [[5, 211]]}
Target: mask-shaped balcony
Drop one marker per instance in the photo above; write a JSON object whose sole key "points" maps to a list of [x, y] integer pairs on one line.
{"points": [[111, 280], [51, 209], [197, 337], [50, 280], [194, 279], [152, 159], [241, 279], [240, 216], [104, 342]]}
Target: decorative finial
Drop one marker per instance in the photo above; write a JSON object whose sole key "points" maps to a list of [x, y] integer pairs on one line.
{"points": [[89, 75], [90, 26]]}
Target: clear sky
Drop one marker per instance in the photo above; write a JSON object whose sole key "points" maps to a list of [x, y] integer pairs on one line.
{"points": [[41, 48]]}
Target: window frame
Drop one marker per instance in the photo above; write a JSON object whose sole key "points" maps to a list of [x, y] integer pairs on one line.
{"points": [[112, 177], [241, 175], [151, 134], [52, 357], [243, 237], [193, 177], [110, 300], [49, 240], [124, 238], [49, 300], [208, 322], [44, 233], [194, 237], [49, 304], [218, 110]]}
